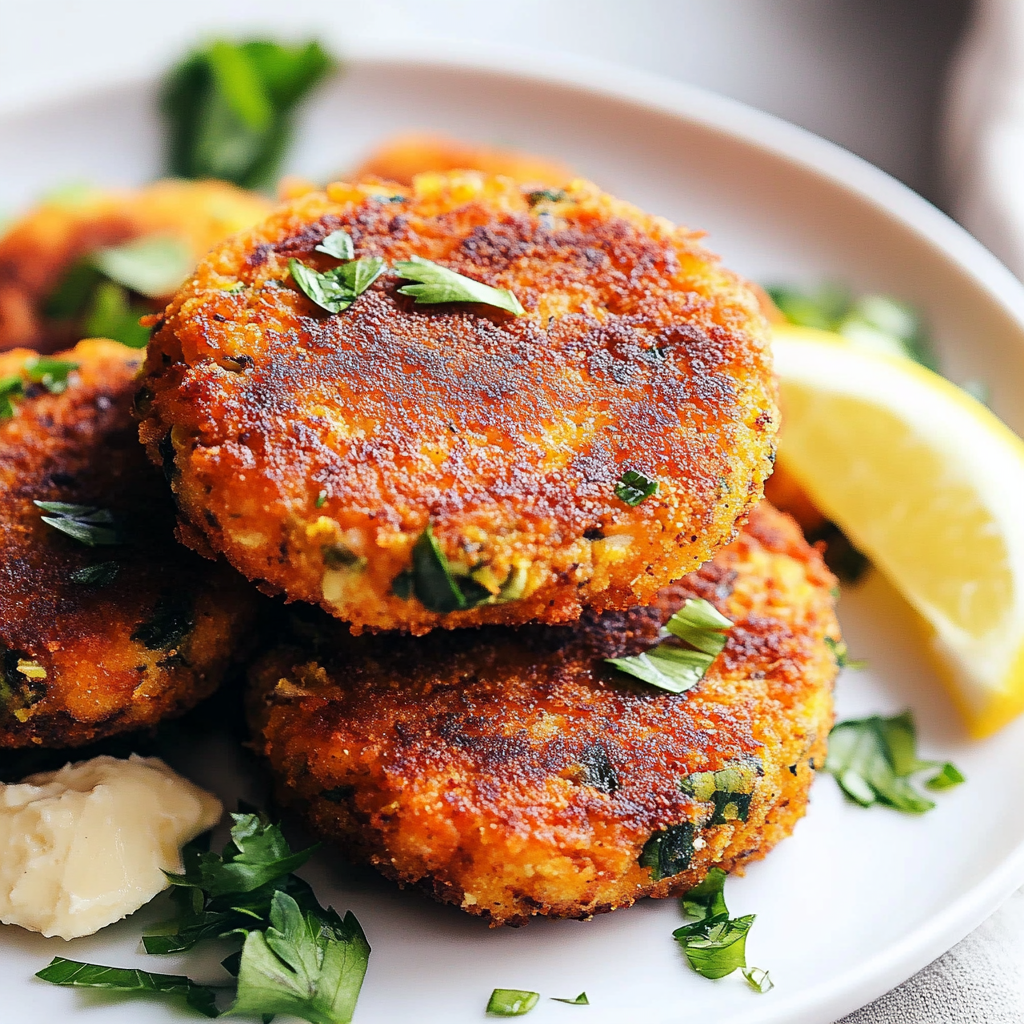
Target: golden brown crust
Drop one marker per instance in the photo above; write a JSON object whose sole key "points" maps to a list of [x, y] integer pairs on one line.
{"points": [[37, 250], [508, 434], [476, 763], [402, 157], [104, 672]]}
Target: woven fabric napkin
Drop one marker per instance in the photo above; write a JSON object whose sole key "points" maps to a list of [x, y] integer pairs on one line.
{"points": [[979, 981]]}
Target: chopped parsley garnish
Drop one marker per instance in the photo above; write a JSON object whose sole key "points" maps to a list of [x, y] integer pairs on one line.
{"points": [[758, 980], [672, 666], [296, 958], [87, 525], [172, 620], [873, 760], [53, 374], [634, 487], [100, 575], [113, 314], [307, 963], [74, 974], [876, 322], [580, 1000], [551, 195], [669, 851], [154, 265], [431, 581], [11, 387], [321, 499], [339, 245], [439, 284], [335, 290], [229, 108], [842, 655], [715, 944], [729, 790], [511, 1002]]}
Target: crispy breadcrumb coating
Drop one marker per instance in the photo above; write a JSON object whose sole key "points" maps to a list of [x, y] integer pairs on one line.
{"points": [[39, 248], [154, 627], [315, 450], [513, 773]]}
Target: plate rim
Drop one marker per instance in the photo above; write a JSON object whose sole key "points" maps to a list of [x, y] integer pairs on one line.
{"points": [[834, 166]]}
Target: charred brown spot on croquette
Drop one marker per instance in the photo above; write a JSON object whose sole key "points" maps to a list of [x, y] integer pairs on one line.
{"points": [[503, 435], [514, 772], [111, 626]]}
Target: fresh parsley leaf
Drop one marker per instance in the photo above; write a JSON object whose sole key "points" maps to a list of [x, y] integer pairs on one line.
{"points": [[100, 575], [580, 1000], [11, 387], [439, 284], [842, 654], [757, 979], [84, 523], [335, 290], [707, 899], [876, 322], [633, 487], [338, 244], [71, 296], [729, 790], [306, 964], [230, 107], [873, 760], [669, 851], [51, 373], [173, 618], [716, 946], [154, 265], [114, 315], [432, 582], [257, 855], [75, 974], [701, 625], [321, 499], [675, 668], [551, 195], [511, 1002]]}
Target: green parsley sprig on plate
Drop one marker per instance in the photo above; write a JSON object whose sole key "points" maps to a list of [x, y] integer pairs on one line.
{"points": [[676, 666], [715, 944], [230, 107], [52, 374], [296, 957], [436, 284], [874, 759], [335, 290]]}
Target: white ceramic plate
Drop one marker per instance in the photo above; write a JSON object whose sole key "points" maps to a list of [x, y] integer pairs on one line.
{"points": [[857, 900]]}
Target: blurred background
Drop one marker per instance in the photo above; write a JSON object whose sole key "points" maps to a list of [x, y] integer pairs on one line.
{"points": [[868, 74]]}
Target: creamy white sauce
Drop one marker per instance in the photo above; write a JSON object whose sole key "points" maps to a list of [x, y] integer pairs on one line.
{"points": [[87, 845]]}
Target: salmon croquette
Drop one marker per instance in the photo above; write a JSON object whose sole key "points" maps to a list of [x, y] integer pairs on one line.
{"points": [[409, 465], [52, 287], [514, 772], [402, 157], [106, 623]]}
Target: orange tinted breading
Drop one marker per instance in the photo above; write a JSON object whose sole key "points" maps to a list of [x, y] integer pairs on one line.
{"points": [[81, 661], [297, 434], [514, 773], [403, 157], [40, 247]]}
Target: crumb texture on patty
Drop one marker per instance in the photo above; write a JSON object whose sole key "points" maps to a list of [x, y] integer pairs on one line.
{"points": [[39, 248], [314, 450], [514, 773], [97, 640]]}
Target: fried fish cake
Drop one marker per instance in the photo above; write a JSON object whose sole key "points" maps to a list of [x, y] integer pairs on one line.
{"points": [[47, 299], [411, 466], [515, 773], [106, 623], [402, 157]]}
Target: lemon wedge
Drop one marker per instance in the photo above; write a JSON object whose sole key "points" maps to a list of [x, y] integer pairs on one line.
{"points": [[930, 485]]}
